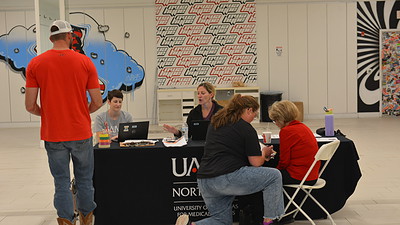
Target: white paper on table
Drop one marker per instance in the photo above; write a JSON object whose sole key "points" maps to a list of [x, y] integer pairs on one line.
{"points": [[177, 143], [326, 139], [317, 135], [276, 136], [273, 136]]}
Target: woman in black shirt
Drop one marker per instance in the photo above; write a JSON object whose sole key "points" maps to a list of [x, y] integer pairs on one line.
{"points": [[206, 108], [231, 165]]}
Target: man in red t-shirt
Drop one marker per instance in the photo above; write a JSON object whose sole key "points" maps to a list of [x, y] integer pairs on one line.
{"points": [[63, 78]]}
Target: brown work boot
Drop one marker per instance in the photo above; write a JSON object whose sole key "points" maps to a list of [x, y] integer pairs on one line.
{"points": [[62, 221], [86, 220]]}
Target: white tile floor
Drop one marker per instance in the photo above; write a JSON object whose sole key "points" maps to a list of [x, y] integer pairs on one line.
{"points": [[26, 186]]}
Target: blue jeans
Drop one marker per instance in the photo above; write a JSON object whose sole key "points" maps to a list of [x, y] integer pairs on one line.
{"points": [[59, 155], [219, 192]]}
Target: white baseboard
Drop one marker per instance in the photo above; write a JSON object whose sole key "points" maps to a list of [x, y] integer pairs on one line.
{"points": [[369, 115], [339, 115]]}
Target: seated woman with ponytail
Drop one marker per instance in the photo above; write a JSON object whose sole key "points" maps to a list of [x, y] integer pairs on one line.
{"points": [[231, 165]]}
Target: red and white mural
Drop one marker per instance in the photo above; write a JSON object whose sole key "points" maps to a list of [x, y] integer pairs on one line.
{"points": [[206, 41]]}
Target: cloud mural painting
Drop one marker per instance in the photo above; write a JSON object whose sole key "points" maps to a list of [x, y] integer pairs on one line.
{"points": [[116, 68], [18, 47]]}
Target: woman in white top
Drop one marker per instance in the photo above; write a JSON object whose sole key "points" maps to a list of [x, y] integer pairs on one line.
{"points": [[112, 117]]}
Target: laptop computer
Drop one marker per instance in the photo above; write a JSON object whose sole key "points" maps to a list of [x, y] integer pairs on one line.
{"points": [[133, 131], [198, 129]]}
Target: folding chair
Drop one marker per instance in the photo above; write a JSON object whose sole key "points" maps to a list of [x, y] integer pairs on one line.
{"points": [[324, 153]]}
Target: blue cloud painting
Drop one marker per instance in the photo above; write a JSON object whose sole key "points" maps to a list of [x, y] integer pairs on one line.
{"points": [[18, 47], [116, 68]]}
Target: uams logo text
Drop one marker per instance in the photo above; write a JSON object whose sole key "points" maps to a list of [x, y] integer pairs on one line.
{"points": [[183, 167]]}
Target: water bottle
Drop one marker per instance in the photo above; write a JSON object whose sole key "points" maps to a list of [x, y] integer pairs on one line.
{"points": [[329, 127], [185, 131]]}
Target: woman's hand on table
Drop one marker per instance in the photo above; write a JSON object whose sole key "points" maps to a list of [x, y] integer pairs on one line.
{"points": [[171, 129], [114, 138], [268, 152]]}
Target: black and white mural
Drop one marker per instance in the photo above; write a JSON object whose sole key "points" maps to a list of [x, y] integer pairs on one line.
{"points": [[372, 17]]}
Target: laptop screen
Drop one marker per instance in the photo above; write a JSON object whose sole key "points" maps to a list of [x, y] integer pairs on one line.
{"points": [[198, 129], [133, 131]]}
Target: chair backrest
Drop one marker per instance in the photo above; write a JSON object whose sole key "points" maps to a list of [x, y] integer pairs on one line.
{"points": [[325, 153]]}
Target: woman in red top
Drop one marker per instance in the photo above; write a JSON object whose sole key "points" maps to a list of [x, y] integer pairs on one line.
{"points": [[298, 145]]}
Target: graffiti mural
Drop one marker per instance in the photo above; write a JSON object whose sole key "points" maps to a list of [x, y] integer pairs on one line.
{"points": [[390, 54], [206, 40], [116, 68], [18, 47], [372, 16]]}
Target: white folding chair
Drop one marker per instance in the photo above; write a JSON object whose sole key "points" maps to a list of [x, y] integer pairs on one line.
{"points": [[324, 153]]}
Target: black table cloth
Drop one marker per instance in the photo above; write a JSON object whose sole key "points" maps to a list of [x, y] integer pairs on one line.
{"points": [[341, 175], [155, 184]]}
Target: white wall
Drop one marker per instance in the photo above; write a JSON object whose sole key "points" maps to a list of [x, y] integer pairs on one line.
{"points": [[317, 67], [318, 63], [13, 104]]}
